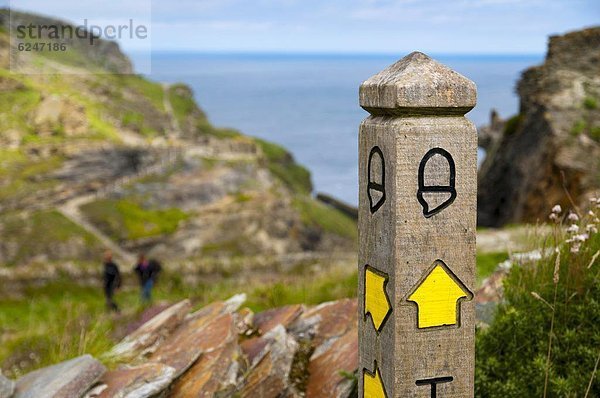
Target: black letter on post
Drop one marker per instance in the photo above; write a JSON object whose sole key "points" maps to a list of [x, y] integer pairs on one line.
{"points": [[434, 382]]}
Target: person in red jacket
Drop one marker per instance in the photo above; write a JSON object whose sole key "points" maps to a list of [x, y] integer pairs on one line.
{"points": [[147, 271]]}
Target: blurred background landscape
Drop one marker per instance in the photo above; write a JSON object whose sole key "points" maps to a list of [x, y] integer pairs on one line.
{"points": [[232, 159]]}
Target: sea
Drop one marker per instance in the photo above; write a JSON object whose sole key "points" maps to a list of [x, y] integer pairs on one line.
{"points": [[308, 103]]}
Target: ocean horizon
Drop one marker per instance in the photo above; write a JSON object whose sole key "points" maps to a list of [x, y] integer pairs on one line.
{"points": [[308, 102]]}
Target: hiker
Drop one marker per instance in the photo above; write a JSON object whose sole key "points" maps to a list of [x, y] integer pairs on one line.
{"points": [[112, 281], [147, 271]]}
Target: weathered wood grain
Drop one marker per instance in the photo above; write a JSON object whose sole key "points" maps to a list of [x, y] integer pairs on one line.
{"points": [[417, 234]]}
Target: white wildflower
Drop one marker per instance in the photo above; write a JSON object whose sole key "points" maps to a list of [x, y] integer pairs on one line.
{"points": [[591, 213], [573, 229], [581, 237], [575, 247], [591, 228], [505, 265], [573, 217], [553, 217], [557, 209]]}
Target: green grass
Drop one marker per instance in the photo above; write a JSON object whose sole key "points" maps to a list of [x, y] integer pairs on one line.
{"points": [[307, 291], [328, 219], [183, 105], [61, 320], [149, 90], [242, 197], [281, 163], [126, 220], [487, 264], [230, 248], [53, 323], [133, 120], [40, 232], [19, 174], [16, 105]]}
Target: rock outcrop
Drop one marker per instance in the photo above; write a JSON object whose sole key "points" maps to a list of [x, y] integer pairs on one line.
{"points": [[103, 53], [217, 351], [72, 378], [114, 160], [551, 149], [7, 387]]}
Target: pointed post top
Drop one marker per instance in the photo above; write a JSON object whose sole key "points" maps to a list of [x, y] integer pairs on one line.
{"points": [[418, 85]]}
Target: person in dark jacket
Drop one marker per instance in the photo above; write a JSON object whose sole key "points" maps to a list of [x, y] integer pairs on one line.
{"points": [[112, 281], [147, 271]]}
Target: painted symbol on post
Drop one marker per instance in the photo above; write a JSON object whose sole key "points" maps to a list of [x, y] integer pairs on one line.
{"points": [[437, 174], [438, 297], [373, 384], [376, 176], [433, 383], [377, 302]]}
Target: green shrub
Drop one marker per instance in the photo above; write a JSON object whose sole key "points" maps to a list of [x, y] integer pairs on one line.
{"points": [[512, 124], [182, 102], [548, 327], [281, 163], [595, 133], [578, 127], [313, 213], [590, 103]]}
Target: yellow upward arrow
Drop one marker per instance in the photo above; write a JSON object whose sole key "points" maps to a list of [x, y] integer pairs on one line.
{"points": [[377, 303], [373, 385], [437, 297]]}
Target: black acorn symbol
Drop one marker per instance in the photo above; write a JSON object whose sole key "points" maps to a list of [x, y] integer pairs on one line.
{"points": [[449, 189]]}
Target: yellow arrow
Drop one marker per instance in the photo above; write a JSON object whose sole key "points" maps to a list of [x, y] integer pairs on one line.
{"points": [[377, 303], [437, 297], [373, 384]]}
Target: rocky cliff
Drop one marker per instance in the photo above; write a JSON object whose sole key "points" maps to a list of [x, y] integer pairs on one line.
{"points": [[91, 161], [550, 152]]}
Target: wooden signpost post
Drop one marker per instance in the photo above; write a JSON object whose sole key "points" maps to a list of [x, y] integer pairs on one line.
{"points": [[417, 215]]}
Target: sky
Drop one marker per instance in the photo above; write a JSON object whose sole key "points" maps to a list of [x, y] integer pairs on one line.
{"points": [[338, 26]]}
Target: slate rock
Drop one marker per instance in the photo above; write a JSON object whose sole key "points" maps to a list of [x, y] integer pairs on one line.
{"points": [[331, 329], [327, 368], [145, 316], [326, 321], [216, 369], [267, 320], [146, 337], [7, 387], [269, 376], [71, 379], [141, 381], [194, 337]]}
